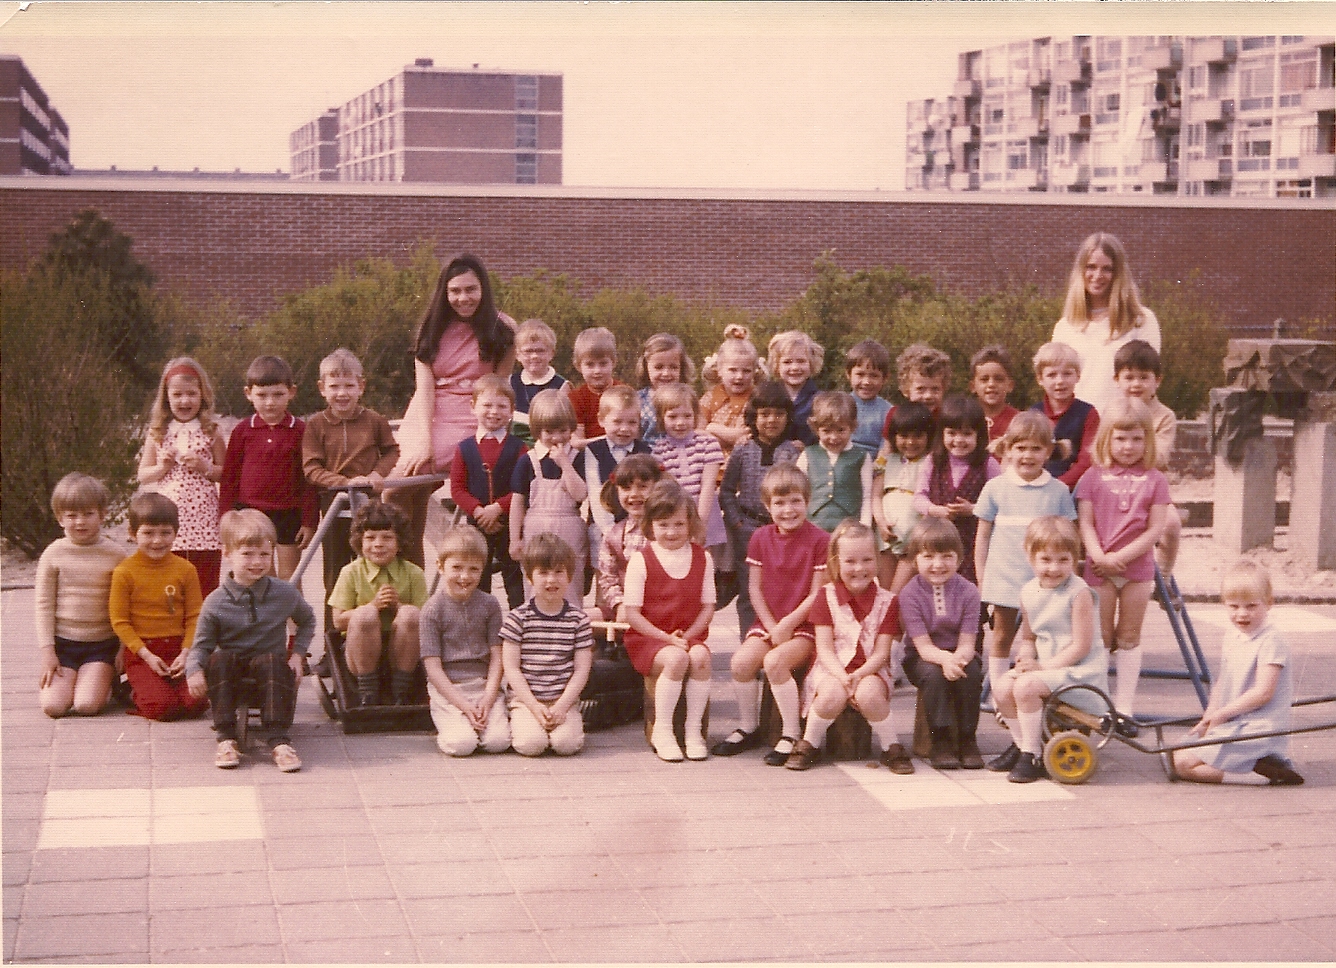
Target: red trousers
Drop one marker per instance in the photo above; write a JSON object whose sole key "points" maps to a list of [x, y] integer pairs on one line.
{"points": [[154, 696], [207, 565]]}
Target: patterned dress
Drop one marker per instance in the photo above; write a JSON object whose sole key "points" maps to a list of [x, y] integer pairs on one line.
{"points": [[196, 500]]}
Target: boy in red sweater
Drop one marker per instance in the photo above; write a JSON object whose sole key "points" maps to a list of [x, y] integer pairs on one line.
{"points": [[263, 468]]}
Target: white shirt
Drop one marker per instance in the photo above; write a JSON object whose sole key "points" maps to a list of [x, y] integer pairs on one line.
{"points": [[1097, 349], [676, 563]]}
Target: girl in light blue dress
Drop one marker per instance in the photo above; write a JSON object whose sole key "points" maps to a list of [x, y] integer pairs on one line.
{"points": [[1252, 694]]}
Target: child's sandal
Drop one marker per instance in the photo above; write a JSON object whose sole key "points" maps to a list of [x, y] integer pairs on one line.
{"points": [[228, 756]]}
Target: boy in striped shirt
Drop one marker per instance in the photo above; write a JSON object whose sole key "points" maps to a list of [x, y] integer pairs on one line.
{"points": [[546, 653]]}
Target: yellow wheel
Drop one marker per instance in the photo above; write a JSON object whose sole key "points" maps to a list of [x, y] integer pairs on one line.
{"points": [[1069, 757]]}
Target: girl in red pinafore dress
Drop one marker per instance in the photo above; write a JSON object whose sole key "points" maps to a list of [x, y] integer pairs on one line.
{"points": [[669, 601]]}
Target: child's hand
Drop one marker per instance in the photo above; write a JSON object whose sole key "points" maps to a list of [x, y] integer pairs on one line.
{"points": [[178, 665], [360, 481], [540, 713], [476, 715], [1027, 663], [561, 456], [488, 518], [516, 549], [199, 687], [159, 667], [295, 664], [952, 668], [376, 480], [959, 508], [386, 597], [194, 462], [304, 536], [51, 669], [166, 458], [556, 715]]}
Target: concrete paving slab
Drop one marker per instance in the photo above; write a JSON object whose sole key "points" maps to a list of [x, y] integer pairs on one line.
{"points": [[59, 899], [509, 947], [320, 849], [223, 857], [622, 944], [476, 878], [342, 920], [743, 939], [220, 925], [252, 954], [1321, 930], [15, 867], [330, 884], [352, 951], [83, 936], [89, 864], [433, 846], [595, 872], [346, 821], [464, 914], [197, 891]]}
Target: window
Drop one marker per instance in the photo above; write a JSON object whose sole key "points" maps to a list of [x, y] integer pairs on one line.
{"points": [[1298, 71], [1257, 43], [1018, 155], [526, 169], [1197, 77], [1108, 54], [526, 93], [526, 131]]}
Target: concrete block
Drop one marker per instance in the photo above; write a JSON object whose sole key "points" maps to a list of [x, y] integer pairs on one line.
{"points": [[1245, 499], [1313, 505]]}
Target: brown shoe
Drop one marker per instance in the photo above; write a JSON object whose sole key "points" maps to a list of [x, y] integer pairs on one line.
{"points": [[943, 755], [970, 759], [803, 757], [896, 759]]}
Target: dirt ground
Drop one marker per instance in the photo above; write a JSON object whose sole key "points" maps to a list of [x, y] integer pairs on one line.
{"points": [[1200, 564]]}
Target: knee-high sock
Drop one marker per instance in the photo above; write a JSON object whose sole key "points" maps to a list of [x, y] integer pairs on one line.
{"points": [[698, 696], [1128, 664], [997, 668], [1031, 731], [885, 731], [666, 693], [786, 701], [749, 698], [1014, 729], [816, 729], [1245, 779]]}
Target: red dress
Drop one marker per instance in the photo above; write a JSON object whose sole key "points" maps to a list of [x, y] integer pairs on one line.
{"points": [[674, 604]]}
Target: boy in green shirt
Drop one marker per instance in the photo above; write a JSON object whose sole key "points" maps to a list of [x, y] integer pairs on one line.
{"points": [[376, 603]]}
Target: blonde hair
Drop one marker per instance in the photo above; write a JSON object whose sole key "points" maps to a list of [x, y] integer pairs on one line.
{"points": [[1055, 354], [79, 492], [924, 360], [550, 410], [342, 362], [246, 528], [847, 530], [737, 343], [1244, 579], [672, 395], [535, 330], [461, 541], [1052, 533], [161, 414], [1125, 309], [784, 479], [663, 343], [616, 398], [833, 408], [496, 385], [1124, 413], [795, 341], [1030, 425], [598, 343]]}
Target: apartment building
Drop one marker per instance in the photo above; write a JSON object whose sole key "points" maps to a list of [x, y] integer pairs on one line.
{"points": [[430, 124], [1237, 116], [34, 138]]}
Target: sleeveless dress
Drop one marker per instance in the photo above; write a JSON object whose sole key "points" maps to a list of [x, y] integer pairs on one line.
{"points": [[674, 604], [551, 509], [196, 500], [1049, 611], [852, 640], [941, 491]]}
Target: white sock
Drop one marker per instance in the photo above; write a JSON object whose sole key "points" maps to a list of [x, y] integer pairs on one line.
{"points": [[1014, 728], [997, 668], [1245, 779], [816, 729], [1128, 664], [786, 701], [885, 731], [666, 693], [749, 709], [698, 696], [1031, 730]]}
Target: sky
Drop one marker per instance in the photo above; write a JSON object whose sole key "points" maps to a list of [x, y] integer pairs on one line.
{"points": [[743, 96]]}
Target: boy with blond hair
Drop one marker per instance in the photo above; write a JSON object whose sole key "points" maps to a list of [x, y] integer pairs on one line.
{"points": [[242, 633], [535, 345], [595, 355], [1057, 367], [923, 374]]}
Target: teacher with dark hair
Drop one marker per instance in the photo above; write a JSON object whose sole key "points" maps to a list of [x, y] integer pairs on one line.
{"points": [[462, 337]]}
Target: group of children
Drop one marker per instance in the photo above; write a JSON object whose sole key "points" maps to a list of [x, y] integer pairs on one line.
{"points": [[860, 540]]}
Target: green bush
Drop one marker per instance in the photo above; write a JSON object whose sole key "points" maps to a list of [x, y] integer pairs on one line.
{"points": [[65, 401], [1193, 343]]}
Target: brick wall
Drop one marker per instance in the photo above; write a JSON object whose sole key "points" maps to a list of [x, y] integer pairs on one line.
{"points": [[251, 245]]}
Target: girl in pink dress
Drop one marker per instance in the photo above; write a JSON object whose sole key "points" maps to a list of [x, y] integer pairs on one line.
{"points": [[462, 337]]}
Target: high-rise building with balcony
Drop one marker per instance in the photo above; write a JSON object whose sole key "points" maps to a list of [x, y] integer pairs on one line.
{"points": [[430, 124], [1241, 116], [34, 139]]}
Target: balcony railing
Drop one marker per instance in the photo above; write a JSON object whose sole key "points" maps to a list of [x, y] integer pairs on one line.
{"points": [[964, 181], [964, 134], [1039, 77], [1072, 71], [1217, 50], [1033, 127], [970, 88], [1319, 99], [1166, 58], [1210, 169], [1317, 166], [1075, 125], [1215, 112], [1166, 118], [1071, 175]]}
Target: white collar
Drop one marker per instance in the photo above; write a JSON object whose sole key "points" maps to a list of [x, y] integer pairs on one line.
{"points": [[546, 377], [480, 435], [1043, 478]]}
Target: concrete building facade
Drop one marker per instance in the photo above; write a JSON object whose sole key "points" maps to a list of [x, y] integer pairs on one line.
{"points": [[34, 138], [429, 124], [1191, 116]]}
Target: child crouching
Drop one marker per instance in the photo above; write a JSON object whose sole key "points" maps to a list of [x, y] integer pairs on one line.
{"points": [[243, 632], [459, 632], [547, 651]]}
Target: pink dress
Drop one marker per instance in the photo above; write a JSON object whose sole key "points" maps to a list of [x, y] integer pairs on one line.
{"points": [[456, 367]]}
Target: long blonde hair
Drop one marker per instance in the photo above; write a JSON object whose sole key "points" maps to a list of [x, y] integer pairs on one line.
{"points": [[161, 414], [1125, 309], [1124, 413]]}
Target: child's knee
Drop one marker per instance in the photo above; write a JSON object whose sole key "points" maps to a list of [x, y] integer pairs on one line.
{"points": [[568, 738], [699, 657], [88, 705], [406, 618], [56, 706], [457, 742], [364, 620], [674, 661], [530, 743]]}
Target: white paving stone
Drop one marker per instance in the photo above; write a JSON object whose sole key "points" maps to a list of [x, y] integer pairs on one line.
{"points": [[964, 788], [125, 817]]}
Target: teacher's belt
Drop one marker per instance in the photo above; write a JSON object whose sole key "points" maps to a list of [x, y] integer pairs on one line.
{"points": [[446, 385]]}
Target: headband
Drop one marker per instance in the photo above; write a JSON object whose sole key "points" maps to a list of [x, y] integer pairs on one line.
{"points": [[182, 369]]}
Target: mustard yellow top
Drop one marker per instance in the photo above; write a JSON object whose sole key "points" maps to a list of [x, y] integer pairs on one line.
{"points": [[154, 599]]}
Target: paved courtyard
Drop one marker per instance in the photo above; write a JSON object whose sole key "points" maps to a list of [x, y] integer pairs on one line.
{"points": [[122, 843]]}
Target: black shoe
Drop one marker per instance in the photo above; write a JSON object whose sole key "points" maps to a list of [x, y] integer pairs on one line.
{"points": [[1127, 727], [737, 742], [1007, 759], [1028, 768], [969, 754], [1277, 771], [943, 755], [775, 757]]}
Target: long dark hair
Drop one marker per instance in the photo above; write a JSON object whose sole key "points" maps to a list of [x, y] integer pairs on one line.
{"points": [[960, 412], [494, 337], [770, 395]]}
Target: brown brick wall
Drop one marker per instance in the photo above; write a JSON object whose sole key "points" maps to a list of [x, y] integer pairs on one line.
{"points": [[252, 246]]}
